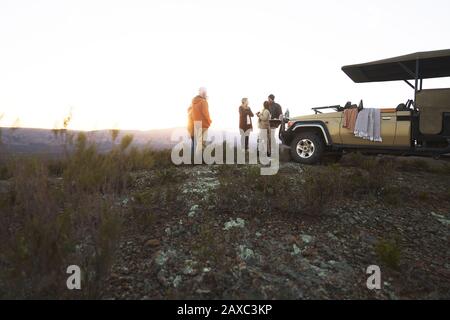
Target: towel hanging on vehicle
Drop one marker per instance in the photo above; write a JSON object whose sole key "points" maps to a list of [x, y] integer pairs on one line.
{"points": [[368, 124], [349, 120]]}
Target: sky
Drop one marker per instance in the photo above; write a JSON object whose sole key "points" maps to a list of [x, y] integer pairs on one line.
{"points": [[133, 64]]}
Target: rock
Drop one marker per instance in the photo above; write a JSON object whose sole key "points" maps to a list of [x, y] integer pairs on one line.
{"points": [[306, 238], [441, 218], [332, 236], [162, 257], [320, 272], [189, 267], [445, 222], [202, 291], [245, 253], [296, 250], [238, 223], [434, 214], [153, 243], [193, 211], [177, 281]]}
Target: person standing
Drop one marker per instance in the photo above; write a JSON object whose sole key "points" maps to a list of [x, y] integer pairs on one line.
{"points": [[275, 109], [245, 122], [190, 129], [201, 118], [276, 114], [264, 127]]}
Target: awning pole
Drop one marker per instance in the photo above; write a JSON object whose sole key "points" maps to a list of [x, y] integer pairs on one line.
{"points": [[416, 89]]}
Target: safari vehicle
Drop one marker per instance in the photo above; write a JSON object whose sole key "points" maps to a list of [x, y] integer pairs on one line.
{"points": [[420, 126]]}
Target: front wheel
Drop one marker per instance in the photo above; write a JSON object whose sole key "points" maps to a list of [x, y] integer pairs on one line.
{"points": [[307, 148]]}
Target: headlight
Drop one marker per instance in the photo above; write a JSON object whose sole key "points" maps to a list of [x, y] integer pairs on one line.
{"points": [[290, 123]]}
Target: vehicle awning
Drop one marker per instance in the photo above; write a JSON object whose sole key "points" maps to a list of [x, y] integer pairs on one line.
{"points": [[432, 64]]}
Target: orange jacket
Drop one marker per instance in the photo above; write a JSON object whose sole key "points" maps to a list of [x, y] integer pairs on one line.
{"points": [[190, 124], [200, 111]]}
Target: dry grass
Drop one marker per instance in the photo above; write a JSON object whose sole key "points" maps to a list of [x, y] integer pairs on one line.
{"points": [[47, 224]]}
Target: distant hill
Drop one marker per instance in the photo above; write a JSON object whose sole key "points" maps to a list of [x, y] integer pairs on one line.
{"points": [[46, 141]]}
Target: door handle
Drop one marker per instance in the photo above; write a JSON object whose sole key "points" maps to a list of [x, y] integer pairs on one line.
{"points": [[386, 118]]}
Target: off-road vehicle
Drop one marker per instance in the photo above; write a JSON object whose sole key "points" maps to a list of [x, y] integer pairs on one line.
{"points": [[421, 126]]}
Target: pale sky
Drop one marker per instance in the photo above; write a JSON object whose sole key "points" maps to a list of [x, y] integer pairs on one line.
{"points": [[132, 64]]}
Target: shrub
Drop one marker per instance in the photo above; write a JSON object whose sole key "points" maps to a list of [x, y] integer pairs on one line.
{"points": [[370, 178], [321, 189], [89, 171], [392, 195], [415, 165], [56, 167], [443, 169], [244, 189], [44, 228], [388, 251], [4, 172]]}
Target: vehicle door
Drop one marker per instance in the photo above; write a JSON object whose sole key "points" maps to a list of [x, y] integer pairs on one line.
{"points": [[403, 130], [388, 127]]}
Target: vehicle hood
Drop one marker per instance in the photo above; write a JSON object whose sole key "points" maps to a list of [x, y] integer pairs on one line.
{"points": [[317, 117]]}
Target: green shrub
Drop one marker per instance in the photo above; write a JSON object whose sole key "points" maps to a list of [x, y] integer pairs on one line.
{"points": [[389, 253]]}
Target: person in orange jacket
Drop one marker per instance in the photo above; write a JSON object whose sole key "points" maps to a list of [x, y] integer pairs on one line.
{"points": [[190, 129], [200, 117]]}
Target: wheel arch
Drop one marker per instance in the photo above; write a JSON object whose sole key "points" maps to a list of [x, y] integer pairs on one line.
{"points": [[317, 127]]}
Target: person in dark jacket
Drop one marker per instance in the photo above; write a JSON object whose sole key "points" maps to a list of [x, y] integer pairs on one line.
{"points": [[274, 108], [276, 114], [245, 122]]}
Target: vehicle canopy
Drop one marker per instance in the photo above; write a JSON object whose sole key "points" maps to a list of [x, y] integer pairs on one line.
{"points": [[420, 65], [432, 103]]}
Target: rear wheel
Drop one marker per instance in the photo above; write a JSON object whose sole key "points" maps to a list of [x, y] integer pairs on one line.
{"points": [[307, 148]]}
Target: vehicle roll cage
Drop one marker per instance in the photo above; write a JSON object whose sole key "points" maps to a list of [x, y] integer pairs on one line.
{"points": [[339, 108], [418, 82], [336, 108]]}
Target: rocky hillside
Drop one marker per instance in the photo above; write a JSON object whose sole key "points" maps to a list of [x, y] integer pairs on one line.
{"points": [[308, 233], [141, 228]]}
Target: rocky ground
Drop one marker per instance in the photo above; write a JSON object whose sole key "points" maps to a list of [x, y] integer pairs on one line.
{"points": [[179, 242]]}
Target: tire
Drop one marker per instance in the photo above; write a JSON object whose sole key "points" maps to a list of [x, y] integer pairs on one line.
{"points": [[307, 148]]}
